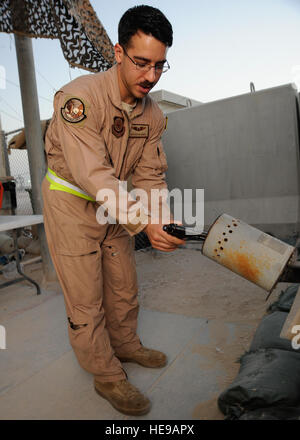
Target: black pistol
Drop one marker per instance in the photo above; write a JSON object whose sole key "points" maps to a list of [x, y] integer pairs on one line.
{"points": [[184, 233]]}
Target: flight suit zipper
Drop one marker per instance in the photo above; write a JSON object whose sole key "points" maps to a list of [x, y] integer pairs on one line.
{"points": [[124, 146]]}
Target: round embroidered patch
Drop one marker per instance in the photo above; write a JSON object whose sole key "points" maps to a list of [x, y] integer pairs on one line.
{"points": [[118, 127], [73, 110]]}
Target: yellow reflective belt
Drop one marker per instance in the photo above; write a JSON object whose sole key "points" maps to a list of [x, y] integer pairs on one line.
{"points": [[60, 184]]}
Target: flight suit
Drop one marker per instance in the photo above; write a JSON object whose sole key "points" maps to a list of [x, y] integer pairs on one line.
{"points": [[93, 144]]}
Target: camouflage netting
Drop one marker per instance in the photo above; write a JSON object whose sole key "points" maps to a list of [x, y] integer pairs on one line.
{"points": [[83, 39]]}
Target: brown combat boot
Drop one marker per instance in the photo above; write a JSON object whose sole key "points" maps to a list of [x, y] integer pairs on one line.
{"points": [[145, 357], [124, 397]]}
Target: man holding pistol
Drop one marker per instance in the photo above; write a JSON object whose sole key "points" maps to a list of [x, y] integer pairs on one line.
{"points": [[105, 128]]}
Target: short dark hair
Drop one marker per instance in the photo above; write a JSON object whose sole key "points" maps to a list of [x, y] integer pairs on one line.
{"points": [[149, 20]]}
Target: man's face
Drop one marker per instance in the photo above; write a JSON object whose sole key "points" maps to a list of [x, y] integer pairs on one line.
{"points": [[142, 49]]}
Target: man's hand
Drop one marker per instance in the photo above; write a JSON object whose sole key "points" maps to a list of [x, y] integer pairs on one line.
{"points": [[160, 239]]}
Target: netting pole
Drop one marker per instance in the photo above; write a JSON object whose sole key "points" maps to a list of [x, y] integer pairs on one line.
{"points": [[4, 164], [34, 140]]}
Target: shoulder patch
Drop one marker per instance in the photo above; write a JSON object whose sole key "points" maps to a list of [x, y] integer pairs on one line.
{"points": [[74, 110]]}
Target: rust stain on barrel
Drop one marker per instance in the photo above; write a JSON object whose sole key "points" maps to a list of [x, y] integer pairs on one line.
{"points": [[242, 263]]}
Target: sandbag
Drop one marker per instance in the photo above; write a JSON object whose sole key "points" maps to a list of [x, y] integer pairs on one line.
{"points": [[267, 378], [276, 413], [285, 299], [6, 243], [267, 334]]}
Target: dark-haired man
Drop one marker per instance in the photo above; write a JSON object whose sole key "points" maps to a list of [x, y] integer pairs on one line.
{"points": [[104, 129]]}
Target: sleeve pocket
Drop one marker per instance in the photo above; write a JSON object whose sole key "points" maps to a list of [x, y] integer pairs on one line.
{"points": [[162, 158]]}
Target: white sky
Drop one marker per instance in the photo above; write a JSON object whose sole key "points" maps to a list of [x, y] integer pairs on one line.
{"points": [[220, 46]]}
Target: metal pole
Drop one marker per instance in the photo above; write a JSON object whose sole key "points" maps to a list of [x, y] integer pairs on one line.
{"points": [[34, 140], [3, 153], [4, 168]]}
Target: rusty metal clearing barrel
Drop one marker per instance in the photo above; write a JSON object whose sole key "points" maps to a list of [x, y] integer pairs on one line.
{"points": [[247, 251]]}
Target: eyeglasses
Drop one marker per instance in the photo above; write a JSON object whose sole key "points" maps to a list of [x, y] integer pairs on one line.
{"points": [[145, 67]]}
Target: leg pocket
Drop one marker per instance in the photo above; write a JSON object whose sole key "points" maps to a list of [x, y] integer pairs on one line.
{"points": [[118, 264], [120, 292], [90, 340], [80, 274], [86, 321]]}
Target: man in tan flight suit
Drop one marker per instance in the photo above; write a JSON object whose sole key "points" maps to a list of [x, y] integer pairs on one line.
{"points": [[104, 129]]}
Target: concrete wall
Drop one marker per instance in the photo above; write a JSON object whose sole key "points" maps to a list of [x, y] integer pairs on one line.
{"points": [[244, 151], [168, 101]]}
